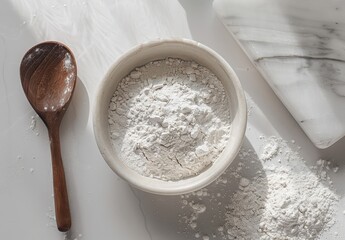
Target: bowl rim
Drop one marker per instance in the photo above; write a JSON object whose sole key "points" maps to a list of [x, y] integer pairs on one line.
{"points": [[179, 188]]}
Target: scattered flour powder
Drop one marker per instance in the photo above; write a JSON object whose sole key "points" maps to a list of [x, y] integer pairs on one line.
{"points": [[169, 119], [67, 63], [285, 199], [33, 125]]}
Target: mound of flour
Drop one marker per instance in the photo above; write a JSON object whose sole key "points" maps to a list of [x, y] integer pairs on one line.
{"points": [[169, 119], [286, 199]]}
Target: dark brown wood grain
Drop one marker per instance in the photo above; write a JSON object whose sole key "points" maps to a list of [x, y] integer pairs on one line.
{"points": [[48, 74]]}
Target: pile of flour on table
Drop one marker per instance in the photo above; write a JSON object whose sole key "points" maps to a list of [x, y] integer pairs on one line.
{"points": [[285, 199], [169, 119]]}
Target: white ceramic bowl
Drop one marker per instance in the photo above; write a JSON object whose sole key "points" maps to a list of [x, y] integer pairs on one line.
{"points": [[155, 50]]}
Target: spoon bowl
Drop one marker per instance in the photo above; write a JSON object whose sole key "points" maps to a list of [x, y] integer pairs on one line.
{"points": [[48, 74]]}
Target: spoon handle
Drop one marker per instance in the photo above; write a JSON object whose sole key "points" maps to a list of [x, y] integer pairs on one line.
{"points": [[62, 211]]}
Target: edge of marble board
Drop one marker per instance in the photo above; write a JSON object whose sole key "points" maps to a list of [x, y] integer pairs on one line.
{"points": [[323, 144]]}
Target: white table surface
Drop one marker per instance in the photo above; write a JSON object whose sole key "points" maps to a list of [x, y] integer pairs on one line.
{"points": [[102, 205]]}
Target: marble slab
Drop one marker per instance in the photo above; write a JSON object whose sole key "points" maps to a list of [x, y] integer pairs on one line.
{"points": [[299, 47]]}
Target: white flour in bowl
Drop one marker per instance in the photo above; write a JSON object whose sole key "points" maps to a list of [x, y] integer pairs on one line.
{"points": [[169, 119]]}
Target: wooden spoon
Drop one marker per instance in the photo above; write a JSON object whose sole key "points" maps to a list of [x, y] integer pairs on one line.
{"points": [[48, 74]]}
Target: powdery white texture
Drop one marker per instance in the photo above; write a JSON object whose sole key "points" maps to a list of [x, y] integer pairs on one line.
{"points": [[67, 62], [33, 125], [169, 119], [285, 200], [270, 150], [297, 207], [288, 202]]}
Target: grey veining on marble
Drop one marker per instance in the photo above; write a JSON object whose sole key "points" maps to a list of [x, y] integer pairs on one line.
{"points": [[299, 47]]}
